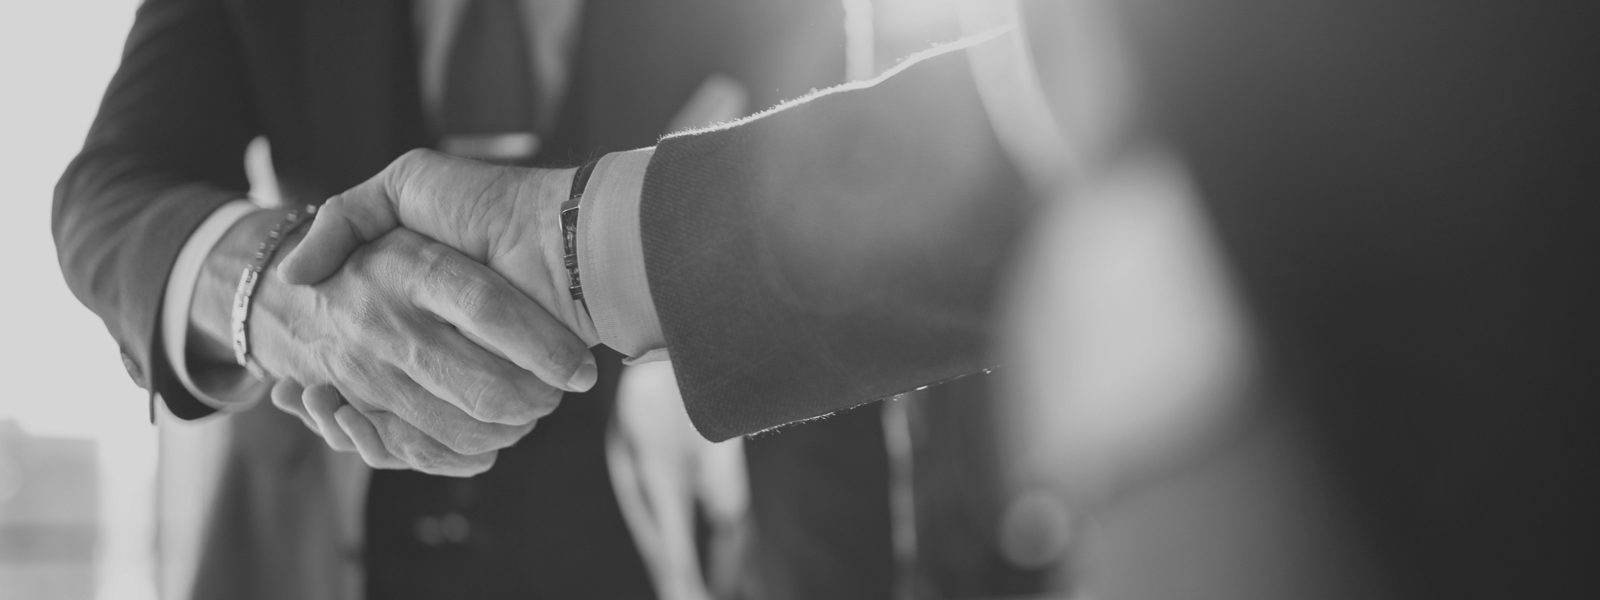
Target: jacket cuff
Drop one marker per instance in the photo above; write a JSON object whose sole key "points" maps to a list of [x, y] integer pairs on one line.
{"points": [[218, 387], [135, 321]]}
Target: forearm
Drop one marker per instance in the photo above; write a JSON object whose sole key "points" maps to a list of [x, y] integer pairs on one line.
{"points": [[164, 152], [119, 227], [839, 250]]}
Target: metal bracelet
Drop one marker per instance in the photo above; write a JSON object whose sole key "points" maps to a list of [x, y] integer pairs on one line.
{"points": [[249, 279], [569, 232]]}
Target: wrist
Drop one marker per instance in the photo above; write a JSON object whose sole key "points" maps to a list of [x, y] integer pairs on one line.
{"points": [[539, 195], [538, 220], [569, 216], [211, 312], [250, 280]]}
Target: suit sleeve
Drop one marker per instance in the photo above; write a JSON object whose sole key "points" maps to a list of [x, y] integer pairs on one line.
{"points": [[835, 251], [165, 150]]}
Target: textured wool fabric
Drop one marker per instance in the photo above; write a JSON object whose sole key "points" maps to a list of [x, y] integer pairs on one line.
{"points": [[838, 250]]}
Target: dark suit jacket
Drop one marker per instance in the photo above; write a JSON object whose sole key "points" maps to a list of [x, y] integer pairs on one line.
{"points": [[332, 85], [838, 251]]}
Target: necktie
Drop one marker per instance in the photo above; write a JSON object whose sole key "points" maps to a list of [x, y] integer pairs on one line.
{"points": [[490, 91]]}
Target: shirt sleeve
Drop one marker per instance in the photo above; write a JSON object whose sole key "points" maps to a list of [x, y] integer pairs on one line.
{"points": [[611, 258], [226, 388]]}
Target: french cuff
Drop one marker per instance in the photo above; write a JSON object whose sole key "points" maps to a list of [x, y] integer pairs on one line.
{"points": [[611, 258], [225, 388]]}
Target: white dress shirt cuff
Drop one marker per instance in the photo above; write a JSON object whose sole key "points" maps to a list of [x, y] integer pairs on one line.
{"points": [[611, 257], [226, 389]]}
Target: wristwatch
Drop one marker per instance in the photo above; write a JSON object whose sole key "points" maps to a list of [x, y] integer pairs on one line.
{"points": [[569, 232]]}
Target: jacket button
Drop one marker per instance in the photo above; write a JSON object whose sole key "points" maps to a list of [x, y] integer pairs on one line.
{"points": [[452, 528], [426, 529], [1036, 530], [133, 370], [455, 528]]}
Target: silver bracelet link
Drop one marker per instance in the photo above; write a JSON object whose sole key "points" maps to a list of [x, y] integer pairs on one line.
{"points": [[249, 279]]}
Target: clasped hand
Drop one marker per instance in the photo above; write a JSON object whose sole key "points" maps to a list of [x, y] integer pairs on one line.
{"points": [[429, 354]]}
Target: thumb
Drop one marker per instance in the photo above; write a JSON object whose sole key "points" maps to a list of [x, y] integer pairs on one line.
{"points": [[345, 222]]}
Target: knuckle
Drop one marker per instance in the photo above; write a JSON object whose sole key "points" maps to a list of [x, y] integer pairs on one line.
{"points": [[435, 259], [334, 204], [393, 435], [422, 362], [465, 442], [442, 270], [389, 255], [477, 464], [424, 457], [525, 403], [481, 300], [479, 438], [378, 404], [417, 450], [329, 357], [343, 365], [490, 400], [400, 172], [371, 315], [412, 156]]}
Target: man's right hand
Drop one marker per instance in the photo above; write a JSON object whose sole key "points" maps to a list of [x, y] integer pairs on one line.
{"points": [[446, 359], [505, 217]]}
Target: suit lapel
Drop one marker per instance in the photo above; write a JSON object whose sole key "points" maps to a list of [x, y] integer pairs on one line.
{"points": [[361, 93]]}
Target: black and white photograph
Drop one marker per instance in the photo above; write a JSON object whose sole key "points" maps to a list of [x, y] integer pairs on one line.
{"points": [[800, 300]]}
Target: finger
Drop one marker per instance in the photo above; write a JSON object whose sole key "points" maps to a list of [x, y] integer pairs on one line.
{"points": [[343, 223], [423, 453], [365, 436], [286, 395], [486, 307], [321, 401], [473, 379], [442, 421]]}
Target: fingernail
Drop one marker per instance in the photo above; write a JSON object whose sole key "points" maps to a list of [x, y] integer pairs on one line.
{"points": [[585, 377]]}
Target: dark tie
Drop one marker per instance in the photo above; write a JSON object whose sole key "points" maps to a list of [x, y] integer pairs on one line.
{"points": [[489, 83]]}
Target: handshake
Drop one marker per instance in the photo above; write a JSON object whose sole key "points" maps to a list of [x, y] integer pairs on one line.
{"points": [[424, 320]]}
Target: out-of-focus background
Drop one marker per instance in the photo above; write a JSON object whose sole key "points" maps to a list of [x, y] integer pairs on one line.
{"points": [[77, 451]]}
